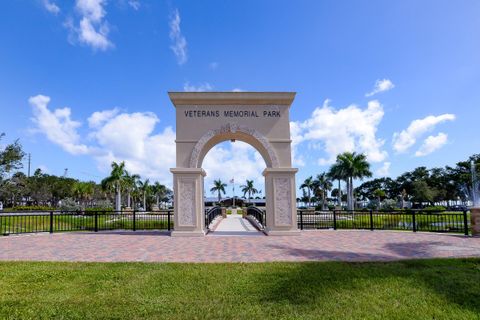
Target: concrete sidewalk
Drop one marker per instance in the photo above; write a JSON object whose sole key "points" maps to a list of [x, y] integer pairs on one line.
{"points": [[235, 225]]}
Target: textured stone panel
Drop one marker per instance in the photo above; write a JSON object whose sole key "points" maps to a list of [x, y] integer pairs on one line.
{"points": [[186, 202], [282, 201]]}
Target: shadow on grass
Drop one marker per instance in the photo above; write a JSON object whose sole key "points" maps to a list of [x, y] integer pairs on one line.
{"points": [[454, 280]]}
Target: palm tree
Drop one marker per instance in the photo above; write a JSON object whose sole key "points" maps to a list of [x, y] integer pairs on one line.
{"points": [[350, 166], [114, 181], [145, 189], [323, 184], [379, 193], [159, 191], [130, 182], [218, 186], [336, 173], [249, 188], [309, 185], [83, 191]]}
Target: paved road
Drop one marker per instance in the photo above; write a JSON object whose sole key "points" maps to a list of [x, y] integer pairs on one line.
{"points": [[235, 225], [341, 245]]}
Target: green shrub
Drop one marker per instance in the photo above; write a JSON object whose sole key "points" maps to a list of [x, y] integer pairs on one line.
{"points": [[33, 208], [69, 204], [435, 208], [389, 205], [91, 211]]}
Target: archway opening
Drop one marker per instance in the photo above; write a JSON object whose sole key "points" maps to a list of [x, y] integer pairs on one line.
{"points": [[234, 181]]}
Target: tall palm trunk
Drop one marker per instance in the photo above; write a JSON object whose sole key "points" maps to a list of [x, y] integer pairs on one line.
{"points": [[339, 195], [144, 202], [323, 199], [118, 200]]}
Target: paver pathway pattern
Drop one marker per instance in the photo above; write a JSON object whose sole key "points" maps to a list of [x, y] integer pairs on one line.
{"points": [[309, 246]]}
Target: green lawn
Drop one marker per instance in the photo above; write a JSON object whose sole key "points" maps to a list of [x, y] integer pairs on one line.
{"points": [[429, 289]]}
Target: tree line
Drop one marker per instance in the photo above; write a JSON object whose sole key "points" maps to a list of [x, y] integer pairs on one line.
{"points": [[248, 189], [120, 189], [420, 187]]}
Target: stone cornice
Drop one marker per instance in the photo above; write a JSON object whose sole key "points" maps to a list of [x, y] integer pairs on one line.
{"points": [[231, 98]]}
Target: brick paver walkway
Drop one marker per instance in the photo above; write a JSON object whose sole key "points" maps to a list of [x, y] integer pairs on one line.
{"points": [[310, 245]]}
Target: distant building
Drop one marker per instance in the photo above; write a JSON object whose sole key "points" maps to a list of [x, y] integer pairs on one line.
{"points": [[228, 202]]}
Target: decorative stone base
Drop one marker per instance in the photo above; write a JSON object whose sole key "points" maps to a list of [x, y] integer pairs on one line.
{"points": [[187, 233], [475, 221], [189, 214], [281, 211]]}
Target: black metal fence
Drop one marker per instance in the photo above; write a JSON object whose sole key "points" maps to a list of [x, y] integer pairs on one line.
{"points": [[62, 221], [408, 220], [259, 215], [211, 214]]}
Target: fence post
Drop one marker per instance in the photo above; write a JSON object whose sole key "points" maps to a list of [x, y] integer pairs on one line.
{"points": [[413, 221], [135, 220], [301, 219], [96, 221], [465, 222], [168, 219], [371, 219], [51, 221], [334, 219]]}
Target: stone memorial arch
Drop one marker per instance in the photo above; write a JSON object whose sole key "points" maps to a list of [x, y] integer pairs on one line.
{"points": [[261, 119]]}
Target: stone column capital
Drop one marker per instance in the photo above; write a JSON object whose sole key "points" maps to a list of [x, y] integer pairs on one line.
{"points": [[269, 171]]}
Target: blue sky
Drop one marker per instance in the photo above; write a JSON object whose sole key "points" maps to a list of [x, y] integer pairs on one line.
{"points": [[83, 83]]}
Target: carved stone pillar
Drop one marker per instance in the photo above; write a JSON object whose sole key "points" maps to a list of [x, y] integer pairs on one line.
{"points": [[189, 217], [475, 221], [281, 201]]}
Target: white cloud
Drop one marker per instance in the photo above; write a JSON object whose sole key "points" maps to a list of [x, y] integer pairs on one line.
{"points": [[239, 160], [130, 137], [432, 143], [381, 86], [51, 7], [295, 134], [116, 136], [179, 45], [384, 170], [348, 129], [100, 117], [57, 126], [237, 90], [92, 29], [407, 138], [135, 4], [200, 88], [213, 65]]}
